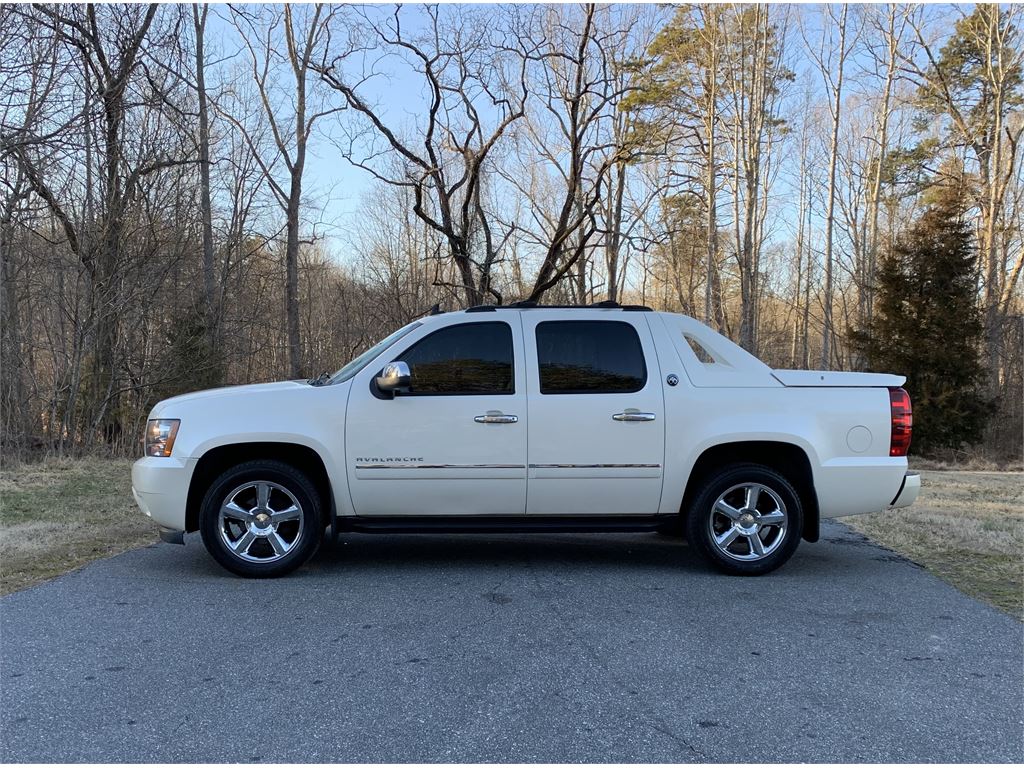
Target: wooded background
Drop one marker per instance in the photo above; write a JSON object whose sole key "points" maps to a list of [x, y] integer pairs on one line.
{"points": [[193, 196]]}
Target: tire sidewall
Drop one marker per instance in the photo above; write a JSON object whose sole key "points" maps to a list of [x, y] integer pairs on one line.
{"points": [[276, 472], [698, 530]]}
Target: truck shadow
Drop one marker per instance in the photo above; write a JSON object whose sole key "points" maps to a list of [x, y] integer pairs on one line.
{"points": [[369, 552], [407, 554]]}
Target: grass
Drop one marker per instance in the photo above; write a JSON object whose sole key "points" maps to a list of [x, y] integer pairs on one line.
{"points": [[59, 515], [967, 527]]}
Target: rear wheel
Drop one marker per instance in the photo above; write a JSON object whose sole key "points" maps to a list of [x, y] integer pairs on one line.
{"points": [[261, 519], [746, 519]]}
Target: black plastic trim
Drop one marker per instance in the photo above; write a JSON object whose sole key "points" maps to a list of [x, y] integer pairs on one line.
{"points": [[171, 536], [903, 484], [505, 524], [535, 305]]}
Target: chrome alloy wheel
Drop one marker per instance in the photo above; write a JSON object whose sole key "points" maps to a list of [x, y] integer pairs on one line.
{"points": [[260, 521], [748, 522]]}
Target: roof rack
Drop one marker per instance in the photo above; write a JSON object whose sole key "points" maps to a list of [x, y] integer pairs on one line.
{"points": [[535, 305]]}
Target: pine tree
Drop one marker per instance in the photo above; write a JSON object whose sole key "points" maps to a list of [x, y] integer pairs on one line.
{"points": [[927, 325]]}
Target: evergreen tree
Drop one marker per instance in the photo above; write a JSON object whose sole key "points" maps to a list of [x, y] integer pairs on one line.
{"points": [[927, 325], [191, 362]]}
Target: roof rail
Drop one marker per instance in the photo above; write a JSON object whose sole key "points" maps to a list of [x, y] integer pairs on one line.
{"points": [[535, 305]]}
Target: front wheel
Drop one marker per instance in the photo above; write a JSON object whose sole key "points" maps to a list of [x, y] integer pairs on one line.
{"points": [[746, 520], [261, 519]]}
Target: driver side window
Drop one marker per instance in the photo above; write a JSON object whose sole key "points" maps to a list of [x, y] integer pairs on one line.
{"points": [[467, 359]]}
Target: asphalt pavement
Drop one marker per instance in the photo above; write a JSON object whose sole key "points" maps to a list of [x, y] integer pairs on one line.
{"points": [[498, 648]]}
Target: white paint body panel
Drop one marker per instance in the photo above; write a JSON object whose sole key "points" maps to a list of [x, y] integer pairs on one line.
{"points": [[837, 379], [459, 467]]}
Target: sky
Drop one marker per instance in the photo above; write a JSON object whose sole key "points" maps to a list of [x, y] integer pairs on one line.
{"points": [[336, 190]]}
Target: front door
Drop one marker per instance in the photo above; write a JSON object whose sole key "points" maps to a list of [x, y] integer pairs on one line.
{"points": [[456, 443], [596, 413]]}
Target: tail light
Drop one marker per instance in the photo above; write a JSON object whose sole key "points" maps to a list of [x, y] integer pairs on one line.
{"points": [[902, 421]]}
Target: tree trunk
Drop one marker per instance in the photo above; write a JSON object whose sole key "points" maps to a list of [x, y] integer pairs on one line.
{"points": [[211, 300], [711, 190], [827, 331], [613, 224], [874, 198], [291, 266]]}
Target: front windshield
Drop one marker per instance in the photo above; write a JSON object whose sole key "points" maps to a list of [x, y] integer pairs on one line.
{"points": [[354, 367]]}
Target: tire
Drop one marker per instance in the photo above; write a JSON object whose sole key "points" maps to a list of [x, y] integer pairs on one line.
{"points": [[261, 519], [726, 531]]}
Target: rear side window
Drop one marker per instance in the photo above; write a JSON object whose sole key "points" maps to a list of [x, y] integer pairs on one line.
{"points": [[469, 359], [589, 357]]}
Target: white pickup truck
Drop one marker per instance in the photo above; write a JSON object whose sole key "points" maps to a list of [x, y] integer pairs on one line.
{"points": [[527, 418]]}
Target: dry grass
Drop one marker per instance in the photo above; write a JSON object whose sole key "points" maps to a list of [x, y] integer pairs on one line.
{"points": [[967, 527], [968, 464], [58, 515]]}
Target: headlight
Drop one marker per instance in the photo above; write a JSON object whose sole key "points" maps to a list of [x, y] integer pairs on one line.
{"points": [[160, 434]]}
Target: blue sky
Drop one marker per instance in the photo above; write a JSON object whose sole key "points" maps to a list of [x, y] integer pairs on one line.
{"points": [[335, 190]]}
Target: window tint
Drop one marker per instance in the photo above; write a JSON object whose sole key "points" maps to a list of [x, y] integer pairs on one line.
{"points": [[580, 356], [470, 359]]}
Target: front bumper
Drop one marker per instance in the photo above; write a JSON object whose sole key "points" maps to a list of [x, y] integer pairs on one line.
{"points": [[908, 491], [160, 487]]}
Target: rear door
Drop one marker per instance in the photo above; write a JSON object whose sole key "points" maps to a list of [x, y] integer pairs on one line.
{"points": [[596, 439]]}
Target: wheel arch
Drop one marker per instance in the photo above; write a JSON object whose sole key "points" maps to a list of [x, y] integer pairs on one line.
{"points": [[788, 459], [220, 458]]}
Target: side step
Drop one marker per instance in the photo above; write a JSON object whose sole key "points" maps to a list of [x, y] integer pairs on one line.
{"points": [[506, 524]]}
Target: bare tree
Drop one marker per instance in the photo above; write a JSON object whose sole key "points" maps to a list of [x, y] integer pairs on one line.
{"points": [[157, 198], [831, 60], [475, 78], [683, 90], [580, 85], [755, 77], [889, 23], [110, 54], [211, 302], [291, 116]]}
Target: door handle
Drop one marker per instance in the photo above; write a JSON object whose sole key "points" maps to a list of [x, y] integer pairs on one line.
{"points": [[496, 417], [632, 414]]}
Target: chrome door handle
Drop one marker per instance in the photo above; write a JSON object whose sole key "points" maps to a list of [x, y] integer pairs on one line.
{"points": [[632, 414], [496, 417]]}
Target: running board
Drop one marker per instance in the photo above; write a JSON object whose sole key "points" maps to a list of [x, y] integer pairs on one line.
{"points": [[506, 524]]}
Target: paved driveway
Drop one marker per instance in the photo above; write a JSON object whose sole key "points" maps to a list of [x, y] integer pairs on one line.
{"points": [[509, 648]]}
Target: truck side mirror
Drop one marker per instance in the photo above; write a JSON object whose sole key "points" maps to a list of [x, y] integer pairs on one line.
{"points": [[394, 378]]}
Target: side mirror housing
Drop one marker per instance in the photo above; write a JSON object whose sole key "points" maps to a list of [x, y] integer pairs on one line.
{"points": [[395, 378]]}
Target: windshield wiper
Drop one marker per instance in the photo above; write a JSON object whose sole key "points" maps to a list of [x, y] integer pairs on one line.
{"points": [[320, 380]]}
